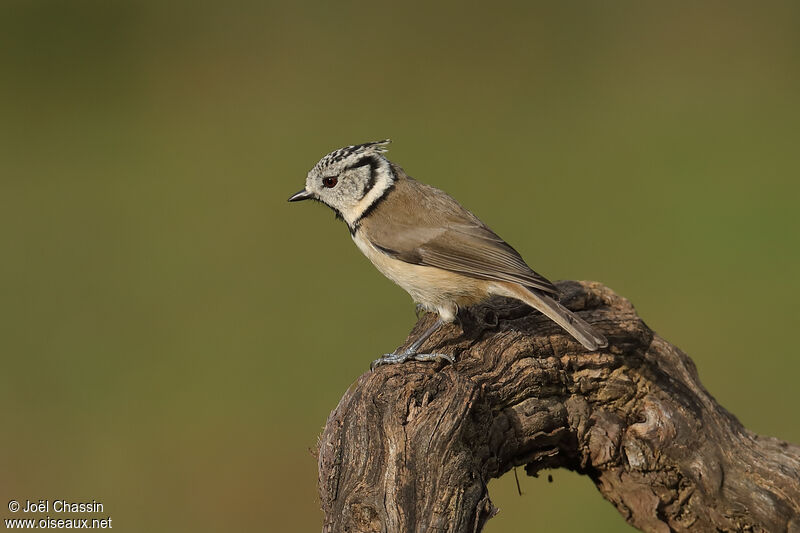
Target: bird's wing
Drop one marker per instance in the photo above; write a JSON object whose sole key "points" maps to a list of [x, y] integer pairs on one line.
{"points": [[447, 236]]}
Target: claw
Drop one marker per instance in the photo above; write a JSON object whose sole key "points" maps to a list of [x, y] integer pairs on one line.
{"points": [[395, 358], [389, 359], [411, 351]]}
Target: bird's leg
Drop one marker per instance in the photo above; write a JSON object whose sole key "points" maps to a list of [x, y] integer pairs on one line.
{"points": [[425, 336], [411, 351]]}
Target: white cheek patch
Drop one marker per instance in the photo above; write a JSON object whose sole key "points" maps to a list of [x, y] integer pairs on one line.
{"points": [[383, 181]]}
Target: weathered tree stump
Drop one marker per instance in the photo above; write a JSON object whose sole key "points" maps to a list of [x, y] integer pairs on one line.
{"points": [[411, 447]]}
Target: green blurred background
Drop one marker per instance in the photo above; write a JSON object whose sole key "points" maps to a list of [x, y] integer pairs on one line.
{"points": [[174, 334]]}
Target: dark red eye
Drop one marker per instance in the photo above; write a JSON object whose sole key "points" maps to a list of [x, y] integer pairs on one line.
{"points": [[330, 182]]}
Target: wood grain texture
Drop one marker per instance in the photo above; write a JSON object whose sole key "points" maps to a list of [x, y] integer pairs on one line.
{"points": [[411, 447]]}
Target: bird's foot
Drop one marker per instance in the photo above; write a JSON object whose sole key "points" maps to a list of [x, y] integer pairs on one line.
{"points": [[395, 358]]}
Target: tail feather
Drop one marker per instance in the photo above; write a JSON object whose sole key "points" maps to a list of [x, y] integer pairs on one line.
{"points": [[574, 325]]}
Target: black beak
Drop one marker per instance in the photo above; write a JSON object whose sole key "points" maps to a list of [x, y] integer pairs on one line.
{"points": [[302, 195]]}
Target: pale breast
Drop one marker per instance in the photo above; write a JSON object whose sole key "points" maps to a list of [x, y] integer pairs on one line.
{"points": [[437, 289]]}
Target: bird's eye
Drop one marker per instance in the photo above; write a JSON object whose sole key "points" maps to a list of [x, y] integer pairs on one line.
{"points": [[330, 182]]}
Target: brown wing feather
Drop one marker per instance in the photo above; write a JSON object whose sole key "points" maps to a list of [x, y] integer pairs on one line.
{"points": [[422, 225]]}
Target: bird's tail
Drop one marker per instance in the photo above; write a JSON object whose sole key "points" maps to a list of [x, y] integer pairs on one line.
{"points": [[574, 325]]}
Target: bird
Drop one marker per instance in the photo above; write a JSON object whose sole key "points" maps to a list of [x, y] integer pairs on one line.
{"points": [[422, 239]]}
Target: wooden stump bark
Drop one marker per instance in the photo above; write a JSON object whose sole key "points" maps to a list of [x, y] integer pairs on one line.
{"points": [[411, 447]]}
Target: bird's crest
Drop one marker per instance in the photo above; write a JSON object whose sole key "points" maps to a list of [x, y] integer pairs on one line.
{"points": [[348, 152]]}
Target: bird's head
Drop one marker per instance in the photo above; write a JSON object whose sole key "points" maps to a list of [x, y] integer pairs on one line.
{"points": [[349, 180]]}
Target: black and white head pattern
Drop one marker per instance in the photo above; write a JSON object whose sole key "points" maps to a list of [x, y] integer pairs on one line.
{"points": [[352, 179]]}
